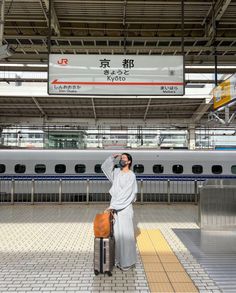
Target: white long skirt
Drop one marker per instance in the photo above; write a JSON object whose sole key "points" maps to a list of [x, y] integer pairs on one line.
{"points": [[125, 243]]}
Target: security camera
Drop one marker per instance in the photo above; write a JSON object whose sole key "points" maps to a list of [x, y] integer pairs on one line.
{"points": [[6, 51]]}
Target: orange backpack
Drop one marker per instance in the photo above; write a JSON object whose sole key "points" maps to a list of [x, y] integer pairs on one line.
{"points": [[103, 225]]}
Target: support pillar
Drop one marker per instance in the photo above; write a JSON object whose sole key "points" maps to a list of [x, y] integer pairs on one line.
{"points": [[2, 11], [191, 138], [1, 138]]}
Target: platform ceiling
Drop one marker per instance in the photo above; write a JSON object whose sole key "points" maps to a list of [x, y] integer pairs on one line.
{"points": [[110, 27], [117, 27], [54, 107]]}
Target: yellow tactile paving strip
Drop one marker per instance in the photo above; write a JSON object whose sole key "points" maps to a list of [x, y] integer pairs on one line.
{"points": [[163, 270]]}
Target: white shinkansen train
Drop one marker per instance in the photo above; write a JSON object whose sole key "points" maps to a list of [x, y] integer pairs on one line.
{"points": [[76, 175], [86, 164]]}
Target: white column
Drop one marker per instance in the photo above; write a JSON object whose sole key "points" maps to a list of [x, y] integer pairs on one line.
{"points": [[191, 137], [1, 138]]}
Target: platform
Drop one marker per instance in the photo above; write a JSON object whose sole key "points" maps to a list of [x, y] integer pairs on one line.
{"points": [[49, 248]]}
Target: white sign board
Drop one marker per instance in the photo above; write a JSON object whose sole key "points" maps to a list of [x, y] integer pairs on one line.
{"points": [[115, 75]]}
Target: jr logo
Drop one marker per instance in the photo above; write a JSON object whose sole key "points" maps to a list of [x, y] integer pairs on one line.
{"points": [[62, 61]]}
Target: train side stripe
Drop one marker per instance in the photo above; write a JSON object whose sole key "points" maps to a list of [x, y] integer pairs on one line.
{"points": [[103, 178]]}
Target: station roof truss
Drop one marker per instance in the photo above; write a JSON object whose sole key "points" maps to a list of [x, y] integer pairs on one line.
{"points": [[122, 26], [99, 108]]}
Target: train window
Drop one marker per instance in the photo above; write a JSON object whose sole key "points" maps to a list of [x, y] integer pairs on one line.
{"points": [[20, 168], [97, 168], [197, 169], [2, 168], [233, 169], [40, 168], [60, 168], [158, 169], [138, 168], [177, 169], [80, 168], [216, 169]]}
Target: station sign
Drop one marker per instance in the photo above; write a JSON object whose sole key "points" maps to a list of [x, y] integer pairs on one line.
{"points": [[225, 92], [115, 75]]}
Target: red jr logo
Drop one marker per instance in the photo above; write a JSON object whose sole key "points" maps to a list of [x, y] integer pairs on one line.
{"points": [[62, 61]]}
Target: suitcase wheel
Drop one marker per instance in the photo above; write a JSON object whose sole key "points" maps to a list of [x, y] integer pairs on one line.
{"points": [[109, 274], [96, 272]]}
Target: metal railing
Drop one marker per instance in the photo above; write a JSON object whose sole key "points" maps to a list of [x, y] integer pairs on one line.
{"points": [[88, 191]]}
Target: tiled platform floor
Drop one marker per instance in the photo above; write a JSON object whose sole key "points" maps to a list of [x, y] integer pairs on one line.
{"points": [[49, 248]]}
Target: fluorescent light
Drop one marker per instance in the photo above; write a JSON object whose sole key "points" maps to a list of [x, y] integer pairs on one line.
{"points": [[36, 65], [22, 65], [12, 65]]}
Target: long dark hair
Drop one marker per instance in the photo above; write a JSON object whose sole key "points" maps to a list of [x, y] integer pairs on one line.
{"points": [[129, 159]]}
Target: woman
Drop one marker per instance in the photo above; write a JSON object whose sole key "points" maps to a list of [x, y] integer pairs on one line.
{"points": [[123, 194]]}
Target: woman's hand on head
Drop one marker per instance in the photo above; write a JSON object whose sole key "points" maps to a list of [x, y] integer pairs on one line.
{"points": [[116, 155]]}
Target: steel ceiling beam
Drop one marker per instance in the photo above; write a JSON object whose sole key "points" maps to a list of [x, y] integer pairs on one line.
{"points": [[201, 111], [225, 4], [171, 3], [2, 11], [154, 48], [54, 20], [94, 109], [219, 8], [118, 20], [147, 108], [115, 38], [108, 38], [38, 106], [130, 29]]}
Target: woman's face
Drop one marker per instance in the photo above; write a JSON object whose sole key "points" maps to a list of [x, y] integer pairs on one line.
{"points": [[124, 158]]}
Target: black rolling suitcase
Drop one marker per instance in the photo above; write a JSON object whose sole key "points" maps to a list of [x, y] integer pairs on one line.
{"points": [[104, 255]]}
